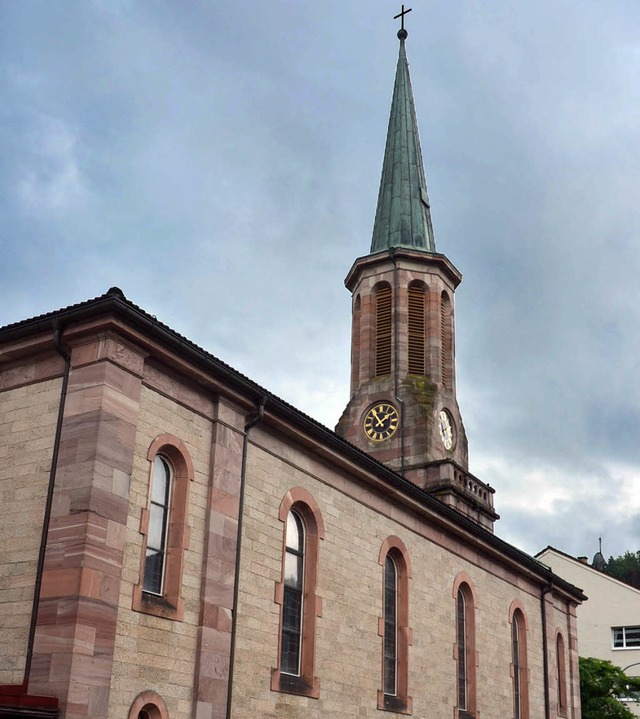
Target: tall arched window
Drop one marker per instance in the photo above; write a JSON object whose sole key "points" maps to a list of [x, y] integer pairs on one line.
{"points": [[561, 670], [417, 329], [519, 661], [390, 643], [158, 525], [446, 341], [163, 524], [384, 313], [292, 597], [296, 595], [393, 627], [465, 648]]}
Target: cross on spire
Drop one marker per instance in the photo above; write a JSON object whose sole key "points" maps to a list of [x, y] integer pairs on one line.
{"points": [[401, 16]]}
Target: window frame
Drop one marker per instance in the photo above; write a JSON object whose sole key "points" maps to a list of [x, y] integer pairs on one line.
{"points": [[464, 586], [302, 503], [393, 548], [624, 645], [169, 603]]}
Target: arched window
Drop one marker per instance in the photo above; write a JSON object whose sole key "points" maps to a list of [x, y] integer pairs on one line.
{"points": [[417, 328], [393, 627], [446, 341], [383, 299], [163, 525], [519, 662], [355, 346], [465, 647], [148, 705], [296, 595], [292, 596], [156, 550], [390, 643], [561, 670]]}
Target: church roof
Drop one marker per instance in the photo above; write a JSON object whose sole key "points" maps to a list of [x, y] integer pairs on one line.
{"points": [[403, 214]]}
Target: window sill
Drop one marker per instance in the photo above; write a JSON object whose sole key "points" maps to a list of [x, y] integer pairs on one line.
{"points": [[397, 704], [290, 684], [157, 606]]}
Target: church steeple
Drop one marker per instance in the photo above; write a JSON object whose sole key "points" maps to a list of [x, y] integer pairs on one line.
{"points": [[403, 407], [403, 214]]}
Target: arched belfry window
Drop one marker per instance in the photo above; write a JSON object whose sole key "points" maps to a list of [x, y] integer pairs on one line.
{"points": [[416, 328], [356, 339], [384, 312], [464, 649], [296, 595], [393, 627], [519, 661], [446, 341]]}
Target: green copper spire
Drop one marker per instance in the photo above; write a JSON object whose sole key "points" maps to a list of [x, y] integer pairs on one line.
{"points": [[403, 215]]}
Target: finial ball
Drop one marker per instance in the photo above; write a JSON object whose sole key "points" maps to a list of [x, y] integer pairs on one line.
{"points": [[402, 34]]}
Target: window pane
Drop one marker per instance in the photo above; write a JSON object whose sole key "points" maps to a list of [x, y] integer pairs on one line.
{"points": [[156, 527], [291, 631], [293, 571], [160, 482], [153, 572], [294, 532], [632, 636]]}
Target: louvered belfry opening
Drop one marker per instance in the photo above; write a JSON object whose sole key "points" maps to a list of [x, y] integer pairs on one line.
{"points": [[446, 341], [416, 330], [383, 331]]}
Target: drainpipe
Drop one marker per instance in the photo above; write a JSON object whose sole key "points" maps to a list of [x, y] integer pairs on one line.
{"points": [[64, 353], [236, 580], [545, 658], [395, 358]]}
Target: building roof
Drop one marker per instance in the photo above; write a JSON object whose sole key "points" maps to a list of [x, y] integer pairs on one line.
{"points": [[114, 305], [403, 214]]}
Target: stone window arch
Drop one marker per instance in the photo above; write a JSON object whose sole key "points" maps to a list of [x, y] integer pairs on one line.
{"points": [[148, 705], [164, 599], [393, 626], [464, 648], [303, 528], [561, 673], [519, 660]]}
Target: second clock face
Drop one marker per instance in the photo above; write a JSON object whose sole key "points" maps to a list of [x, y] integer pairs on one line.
{"points": [[446, 429], [381, 422]]}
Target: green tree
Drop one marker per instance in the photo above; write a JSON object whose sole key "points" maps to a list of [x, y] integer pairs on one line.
{"points": [[601, 686], [626, 567]]}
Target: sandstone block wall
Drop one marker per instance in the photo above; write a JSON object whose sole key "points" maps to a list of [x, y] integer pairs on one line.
{"points": [[28, 416], [348, 647], [154, 653]]}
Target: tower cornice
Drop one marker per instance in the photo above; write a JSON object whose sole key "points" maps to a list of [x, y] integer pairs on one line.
{"points": [[434, 259]]}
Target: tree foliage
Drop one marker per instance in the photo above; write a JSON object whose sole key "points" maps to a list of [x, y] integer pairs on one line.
{"points": [[626, 567], [601, 686]]}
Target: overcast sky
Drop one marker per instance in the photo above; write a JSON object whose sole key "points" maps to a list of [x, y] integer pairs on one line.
{"points": [[219, 161]]}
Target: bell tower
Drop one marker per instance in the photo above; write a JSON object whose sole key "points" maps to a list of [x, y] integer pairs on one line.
{"points": [[403, 408]]}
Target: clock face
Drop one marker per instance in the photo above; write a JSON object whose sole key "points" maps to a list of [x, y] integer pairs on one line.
{"points": [[381, 422], [445, 426]]}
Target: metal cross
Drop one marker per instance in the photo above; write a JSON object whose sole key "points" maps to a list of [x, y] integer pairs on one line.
{"points": [[401, 15]]}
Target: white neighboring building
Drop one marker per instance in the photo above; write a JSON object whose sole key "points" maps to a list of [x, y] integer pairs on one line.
{"points": [[609, 623]]}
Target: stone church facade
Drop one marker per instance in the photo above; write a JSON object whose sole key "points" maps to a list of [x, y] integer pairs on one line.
{"points": [[176, 541]]}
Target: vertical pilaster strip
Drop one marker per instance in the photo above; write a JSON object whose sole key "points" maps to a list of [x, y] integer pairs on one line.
{"points": [[77, 614], [221, 550], [574, 669]]}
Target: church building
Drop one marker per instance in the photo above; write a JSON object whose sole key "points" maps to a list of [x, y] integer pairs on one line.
{"points": [[176, 541]]}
